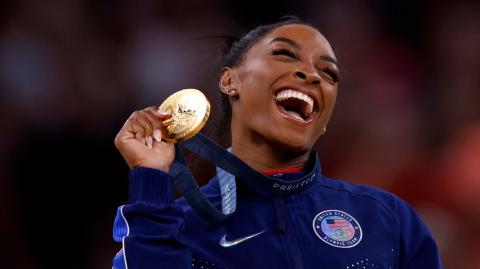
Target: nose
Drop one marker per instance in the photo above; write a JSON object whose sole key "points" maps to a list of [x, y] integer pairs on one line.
{"points": [[310, 77]]}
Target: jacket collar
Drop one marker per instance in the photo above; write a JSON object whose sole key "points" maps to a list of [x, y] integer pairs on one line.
{"points": [[264, 185]]}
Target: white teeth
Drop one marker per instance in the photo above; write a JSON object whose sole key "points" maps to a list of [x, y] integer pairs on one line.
{"points": [[288, 93]]}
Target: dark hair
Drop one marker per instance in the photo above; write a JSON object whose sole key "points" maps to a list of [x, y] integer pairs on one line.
{"points": [[234, 54]]}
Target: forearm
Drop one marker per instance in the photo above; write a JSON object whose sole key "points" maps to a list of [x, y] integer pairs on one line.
{"points": [[149, 226]]}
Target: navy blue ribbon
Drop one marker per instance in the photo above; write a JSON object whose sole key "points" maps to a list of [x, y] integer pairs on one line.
{"points": [[215, 154]]}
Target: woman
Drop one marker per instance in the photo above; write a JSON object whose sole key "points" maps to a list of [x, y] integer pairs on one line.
{"points": [[281, 82]]}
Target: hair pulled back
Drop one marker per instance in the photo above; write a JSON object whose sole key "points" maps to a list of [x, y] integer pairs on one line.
{"points": [[234, 55]]}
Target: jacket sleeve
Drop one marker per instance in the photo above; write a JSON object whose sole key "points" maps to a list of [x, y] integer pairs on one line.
{"points": [[417, 246], [149, 225]]}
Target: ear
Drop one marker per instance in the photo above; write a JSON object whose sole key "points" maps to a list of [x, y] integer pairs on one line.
{"points": [[227, 81]]}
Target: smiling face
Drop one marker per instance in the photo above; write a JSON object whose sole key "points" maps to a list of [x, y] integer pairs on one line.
{"points": [[286, 85]]}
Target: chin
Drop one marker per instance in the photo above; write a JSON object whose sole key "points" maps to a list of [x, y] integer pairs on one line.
{"points": [[294, 144]]}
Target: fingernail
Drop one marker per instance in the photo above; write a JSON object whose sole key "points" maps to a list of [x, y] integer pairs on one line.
{"points": [[157, 135], [161, 111], [149, 142], [167, 122]]}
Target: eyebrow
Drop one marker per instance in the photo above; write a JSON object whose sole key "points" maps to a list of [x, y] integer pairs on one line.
{"points": [[329, 59], [296, 45], [286, 40]]}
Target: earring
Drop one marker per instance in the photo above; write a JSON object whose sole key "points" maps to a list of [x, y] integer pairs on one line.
{"points": [[324, 130], [231, 91]]}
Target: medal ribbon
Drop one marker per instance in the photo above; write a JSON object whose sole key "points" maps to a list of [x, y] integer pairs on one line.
{"points": [[234, 168]]}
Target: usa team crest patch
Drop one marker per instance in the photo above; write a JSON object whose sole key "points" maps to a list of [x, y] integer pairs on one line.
{"points": [[337, 228]]}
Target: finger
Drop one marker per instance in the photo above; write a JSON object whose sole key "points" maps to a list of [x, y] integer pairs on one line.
{"points": [[158, 112], [134, 127], [137, 127], [145, 122], [154, 119], [140, 137], [164, 118], [162, 132], [158, 125], [149, 142], [167, 122], [160, 121], [130, 130], [157, 135]]}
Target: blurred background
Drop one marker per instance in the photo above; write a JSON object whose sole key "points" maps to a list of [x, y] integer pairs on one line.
{"points": [[407, 118]]}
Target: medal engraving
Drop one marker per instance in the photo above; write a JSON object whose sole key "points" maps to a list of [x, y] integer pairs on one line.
{"points": [[189, 110]]}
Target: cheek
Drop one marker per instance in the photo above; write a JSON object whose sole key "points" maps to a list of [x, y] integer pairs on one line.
{"points": [[254, 91], [329, 96], [253, 77]]}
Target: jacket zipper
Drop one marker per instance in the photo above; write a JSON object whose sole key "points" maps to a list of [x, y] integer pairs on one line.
{"points": [[284, 226]]}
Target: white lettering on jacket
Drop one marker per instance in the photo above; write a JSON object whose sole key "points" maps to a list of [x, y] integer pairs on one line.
{"points": [[291, 187]]}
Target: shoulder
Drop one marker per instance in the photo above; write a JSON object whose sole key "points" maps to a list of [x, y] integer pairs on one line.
{"points": [[388, 214], [363, 195]]}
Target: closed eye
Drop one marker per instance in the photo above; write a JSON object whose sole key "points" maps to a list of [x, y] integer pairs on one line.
{"points": [[286, 52], [332, 74]]}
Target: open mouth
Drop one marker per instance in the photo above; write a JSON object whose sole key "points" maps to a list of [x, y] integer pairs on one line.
{"points": [[295, 104]]}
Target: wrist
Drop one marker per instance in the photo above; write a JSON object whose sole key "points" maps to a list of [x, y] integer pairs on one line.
{"points": [[150, 185], [155, 166]]}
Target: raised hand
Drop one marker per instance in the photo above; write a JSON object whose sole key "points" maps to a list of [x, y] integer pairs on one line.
{"points": [[140, 140]]}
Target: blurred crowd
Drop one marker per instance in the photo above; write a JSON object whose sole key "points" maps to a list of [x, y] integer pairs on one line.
{"points": [[407, 117]]}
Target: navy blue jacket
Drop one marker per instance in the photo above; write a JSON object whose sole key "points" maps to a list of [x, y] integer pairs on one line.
{"points": [[328, 224]]}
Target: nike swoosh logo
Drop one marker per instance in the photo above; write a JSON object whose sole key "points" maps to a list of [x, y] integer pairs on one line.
{"points": [[226, 244]]}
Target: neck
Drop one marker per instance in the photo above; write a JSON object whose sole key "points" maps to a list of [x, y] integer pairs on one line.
{"points": [[262, 156]]}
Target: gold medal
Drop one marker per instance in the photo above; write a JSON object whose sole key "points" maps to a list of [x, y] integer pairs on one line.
{"points": [[189, 110]]}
